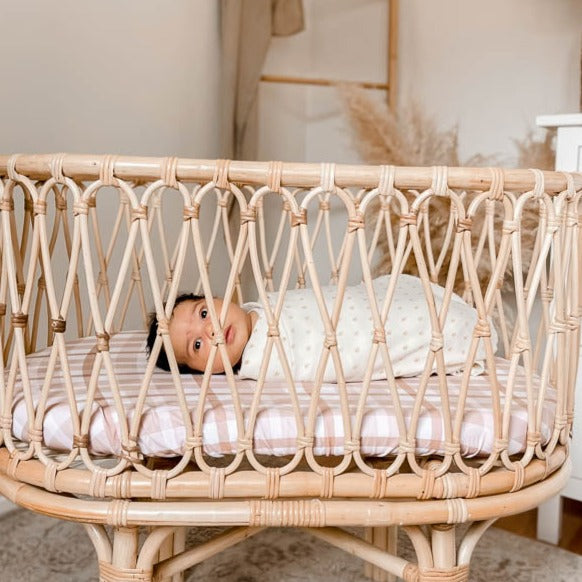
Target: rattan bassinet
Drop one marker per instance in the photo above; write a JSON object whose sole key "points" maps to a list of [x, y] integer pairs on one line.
{"points": [[91, 244]]}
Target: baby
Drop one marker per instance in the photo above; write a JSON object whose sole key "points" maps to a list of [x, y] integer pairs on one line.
{"points": [[407, 330], [191, 334]]}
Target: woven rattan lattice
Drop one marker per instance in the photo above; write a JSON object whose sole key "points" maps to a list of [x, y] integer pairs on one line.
{"points": [[91, 244]]}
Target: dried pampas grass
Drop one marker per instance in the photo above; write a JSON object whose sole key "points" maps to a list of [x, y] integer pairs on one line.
{"points": [[409, 137], [532, 153], [406, 137]]}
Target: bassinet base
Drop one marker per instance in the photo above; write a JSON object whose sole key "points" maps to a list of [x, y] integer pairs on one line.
{"points": [[162, 556]]}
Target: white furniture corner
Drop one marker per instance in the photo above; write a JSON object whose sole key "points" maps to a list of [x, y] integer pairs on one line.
{"points": [[568, 158]]}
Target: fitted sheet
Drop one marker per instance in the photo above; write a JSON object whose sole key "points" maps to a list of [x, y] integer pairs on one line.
{"points": [[163, 433]]}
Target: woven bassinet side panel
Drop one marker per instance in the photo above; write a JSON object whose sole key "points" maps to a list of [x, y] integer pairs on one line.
{"points": [[90, 257]]}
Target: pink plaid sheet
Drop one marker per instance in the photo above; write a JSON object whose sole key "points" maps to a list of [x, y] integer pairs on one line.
{"points": [[163, 433]]}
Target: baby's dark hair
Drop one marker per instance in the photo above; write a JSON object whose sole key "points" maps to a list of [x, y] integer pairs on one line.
{"points": [[162, 361]]}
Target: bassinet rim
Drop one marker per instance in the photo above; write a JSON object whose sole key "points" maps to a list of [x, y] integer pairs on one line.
{"points": [[306, 174]]}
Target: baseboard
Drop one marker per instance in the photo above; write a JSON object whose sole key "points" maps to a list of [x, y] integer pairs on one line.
{"points": [[6, 506]]}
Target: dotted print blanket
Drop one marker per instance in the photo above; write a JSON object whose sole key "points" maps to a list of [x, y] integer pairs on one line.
{"points": [[408, 333]]}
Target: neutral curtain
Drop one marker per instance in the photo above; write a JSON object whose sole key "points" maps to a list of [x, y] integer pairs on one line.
{"points": [[247, 27]]}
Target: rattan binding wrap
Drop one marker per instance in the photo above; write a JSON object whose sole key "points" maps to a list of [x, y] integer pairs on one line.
{"points": [[91, 243]]}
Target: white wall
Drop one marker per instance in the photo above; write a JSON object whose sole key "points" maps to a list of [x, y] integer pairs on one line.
{"points": [[488, 67], [135, 77], [116, 76]]}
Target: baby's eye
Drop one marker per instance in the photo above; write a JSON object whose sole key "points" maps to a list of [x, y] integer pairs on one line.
{"points": [[203, 313], [197, 344]]}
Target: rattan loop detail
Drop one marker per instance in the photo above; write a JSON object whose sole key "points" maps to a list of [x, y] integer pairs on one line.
{"points": [[407, 219], [35, 434], [457, 511], [81, 441], [386, 181], [50, 477], [379, 484], [56, 166], [191, 211], [80, 208], [305, 442], [221, 173], [300, 218], [98, 482], [110, 573], [436, 341], [107, 171], [12, 466], [61, 203], [273, 330], [351, 446], [327, 480], [510, 226], [539, 187], [454, 574], [522, 343], [518, 478], [482, 328], [168, 171], [58, 325], [7, 204], [497, 185], [405, 446], [102, 341], [355, 223], [464, 224], [427, 485], [274, 174], [474, 487], [328, 177], [379, 336], [117, 513], [439, 180], [244, 445], [39, 207], [330, 340], [159, 480], [249, 215], [193, 442], [216, 483], [19, 320], [296, 513], [139, 213], [273, 482], [11, 168]]}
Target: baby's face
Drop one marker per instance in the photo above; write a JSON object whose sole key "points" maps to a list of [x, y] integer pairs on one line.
{"points": [[191, 334]]}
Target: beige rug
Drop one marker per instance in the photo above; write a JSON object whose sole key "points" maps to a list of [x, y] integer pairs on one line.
{"points": [[34, 548]]}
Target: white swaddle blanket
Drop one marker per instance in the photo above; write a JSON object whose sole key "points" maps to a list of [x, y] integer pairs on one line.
{"points": [[408, 333]]}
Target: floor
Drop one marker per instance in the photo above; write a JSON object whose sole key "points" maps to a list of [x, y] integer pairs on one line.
{"points": [[525, 524]]}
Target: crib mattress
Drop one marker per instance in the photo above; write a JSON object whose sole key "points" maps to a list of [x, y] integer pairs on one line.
{"points": [[163, 433]]}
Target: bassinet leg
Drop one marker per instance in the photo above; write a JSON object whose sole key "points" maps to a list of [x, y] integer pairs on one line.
{"points": [[123, 561], [172, 546], [385, 538], [437, 555], [443, 546]]}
